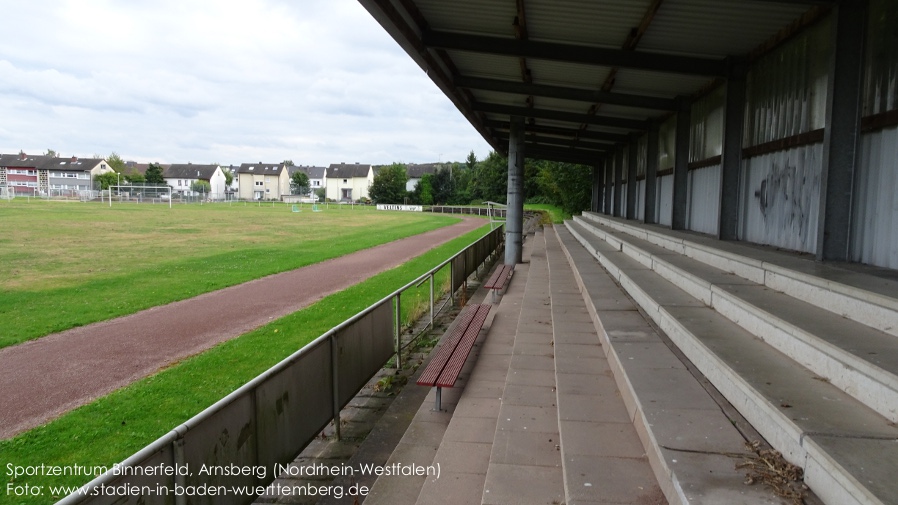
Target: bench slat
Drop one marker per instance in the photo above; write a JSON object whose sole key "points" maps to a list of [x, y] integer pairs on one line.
{"points": [[438, 362], [457, 361], [499, 277]]}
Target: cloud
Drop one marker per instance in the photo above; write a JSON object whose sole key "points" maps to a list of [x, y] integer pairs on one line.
{"points": [[317, 81]]}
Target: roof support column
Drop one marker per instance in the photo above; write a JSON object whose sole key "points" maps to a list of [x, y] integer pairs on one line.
{"points": [[731, 162], [841, 139], [618, 175], [631, 176], [681, 167], [609, 184], [514, 217], [651, 174], [597, 190]]}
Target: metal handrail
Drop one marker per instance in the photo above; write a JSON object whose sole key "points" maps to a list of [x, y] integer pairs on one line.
{"points": [[179, 432]]}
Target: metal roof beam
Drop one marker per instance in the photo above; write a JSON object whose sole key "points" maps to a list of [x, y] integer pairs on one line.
{"points": [[563, 155], [570, 133], [571, 117], [573, 53], [559, 142], [580, 95]]}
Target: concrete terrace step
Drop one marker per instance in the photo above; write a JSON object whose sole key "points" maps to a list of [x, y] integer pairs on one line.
{"points": [[865, 294], [860, 360], [848, 451], [688, 439]]}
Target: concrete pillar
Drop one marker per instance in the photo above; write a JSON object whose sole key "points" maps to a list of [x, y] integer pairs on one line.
{"points": [[731, 159], [681, 167], [651, 174], [597, 189], [841, 140], [514, 220]]}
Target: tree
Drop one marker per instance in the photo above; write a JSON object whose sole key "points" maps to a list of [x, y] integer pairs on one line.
{"points": [[443, 186], [135, 177], [51, 152], [426, 189], [116, 163], [489, 182], [154, 174], [229, 177], [471, 160], [289, 163], [201, 187], [565, 185], [299, 183], [106, 179], [389, 184]]}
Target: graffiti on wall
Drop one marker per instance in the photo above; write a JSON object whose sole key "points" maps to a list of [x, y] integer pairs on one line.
{"points": [[787, 198]]}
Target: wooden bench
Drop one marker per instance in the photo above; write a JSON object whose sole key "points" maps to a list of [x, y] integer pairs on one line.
{"points": [[499, 279], [446, 364]]}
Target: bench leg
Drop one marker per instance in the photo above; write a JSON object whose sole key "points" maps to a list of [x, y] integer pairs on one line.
{"points": [[439, 394]]}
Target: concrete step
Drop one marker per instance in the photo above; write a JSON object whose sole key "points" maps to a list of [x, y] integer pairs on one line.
{"points": [[865, 294], [603, 458], [847, 450], [692, 445], [858, 359]]}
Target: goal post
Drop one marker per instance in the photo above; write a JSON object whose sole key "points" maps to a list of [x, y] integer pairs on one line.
{"points": [[7, 193], [139, 193]]}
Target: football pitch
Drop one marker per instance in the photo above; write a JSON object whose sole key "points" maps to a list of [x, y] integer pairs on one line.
{"points": [[64, 265]]}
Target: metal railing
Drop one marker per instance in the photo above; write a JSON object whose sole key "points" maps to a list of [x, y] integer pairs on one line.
{"points": [[270, 419]]}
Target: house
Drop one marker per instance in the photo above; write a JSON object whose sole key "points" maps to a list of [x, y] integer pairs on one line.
{"points": [[263, 181], [348, 182], [315, 175], [48, 175], [416, 171], [182, 176], [68, 176]]}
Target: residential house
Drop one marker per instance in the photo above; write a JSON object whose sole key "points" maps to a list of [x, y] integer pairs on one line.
{"points": [[182, 176], [70, 176], [48, 175], [24, 173], [416, 171], [348, 182], [263, 181], [315, 175]]}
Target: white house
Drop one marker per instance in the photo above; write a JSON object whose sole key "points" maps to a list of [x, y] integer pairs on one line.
{"points": [[181, 176], [348, 182]]}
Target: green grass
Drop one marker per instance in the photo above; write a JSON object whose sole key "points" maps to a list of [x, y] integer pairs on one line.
{"points": [[64, 265], [114, 427], [558, 215]]}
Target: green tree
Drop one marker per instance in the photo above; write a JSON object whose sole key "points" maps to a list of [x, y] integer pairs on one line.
{"points": [[489, 182], [299, 183], [154, 174], [289, 163], [229, 177], [425, 190], [389, 184], [201, 187], [116, 163], [471, 161], [106, 179], [50, 152], [135, 177], [565, 185]]}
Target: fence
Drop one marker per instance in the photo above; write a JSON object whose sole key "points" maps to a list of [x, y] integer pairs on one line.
{"points": [[270, 419]]}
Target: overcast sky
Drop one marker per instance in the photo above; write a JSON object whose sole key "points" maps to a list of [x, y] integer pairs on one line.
{"points": [[224, 81]]}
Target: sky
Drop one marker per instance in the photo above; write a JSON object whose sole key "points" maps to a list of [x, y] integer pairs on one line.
{"points": [[219, 81]]}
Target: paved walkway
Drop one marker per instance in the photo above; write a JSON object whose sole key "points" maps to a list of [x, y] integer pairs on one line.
{"points": [[537, 418], [44, 378]]}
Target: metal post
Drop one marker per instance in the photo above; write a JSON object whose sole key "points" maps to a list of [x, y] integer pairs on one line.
{"points": [[651, 175], [618, 183], [431, 301], [438, 402], [514, 214], [398, 332], [609, 184], [841, 139], [631, 175], [681, 166], [731, 159], [335, 382]]}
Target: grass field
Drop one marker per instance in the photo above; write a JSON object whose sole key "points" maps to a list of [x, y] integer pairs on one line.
{"points": [[64, 265], [119, 424]]}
